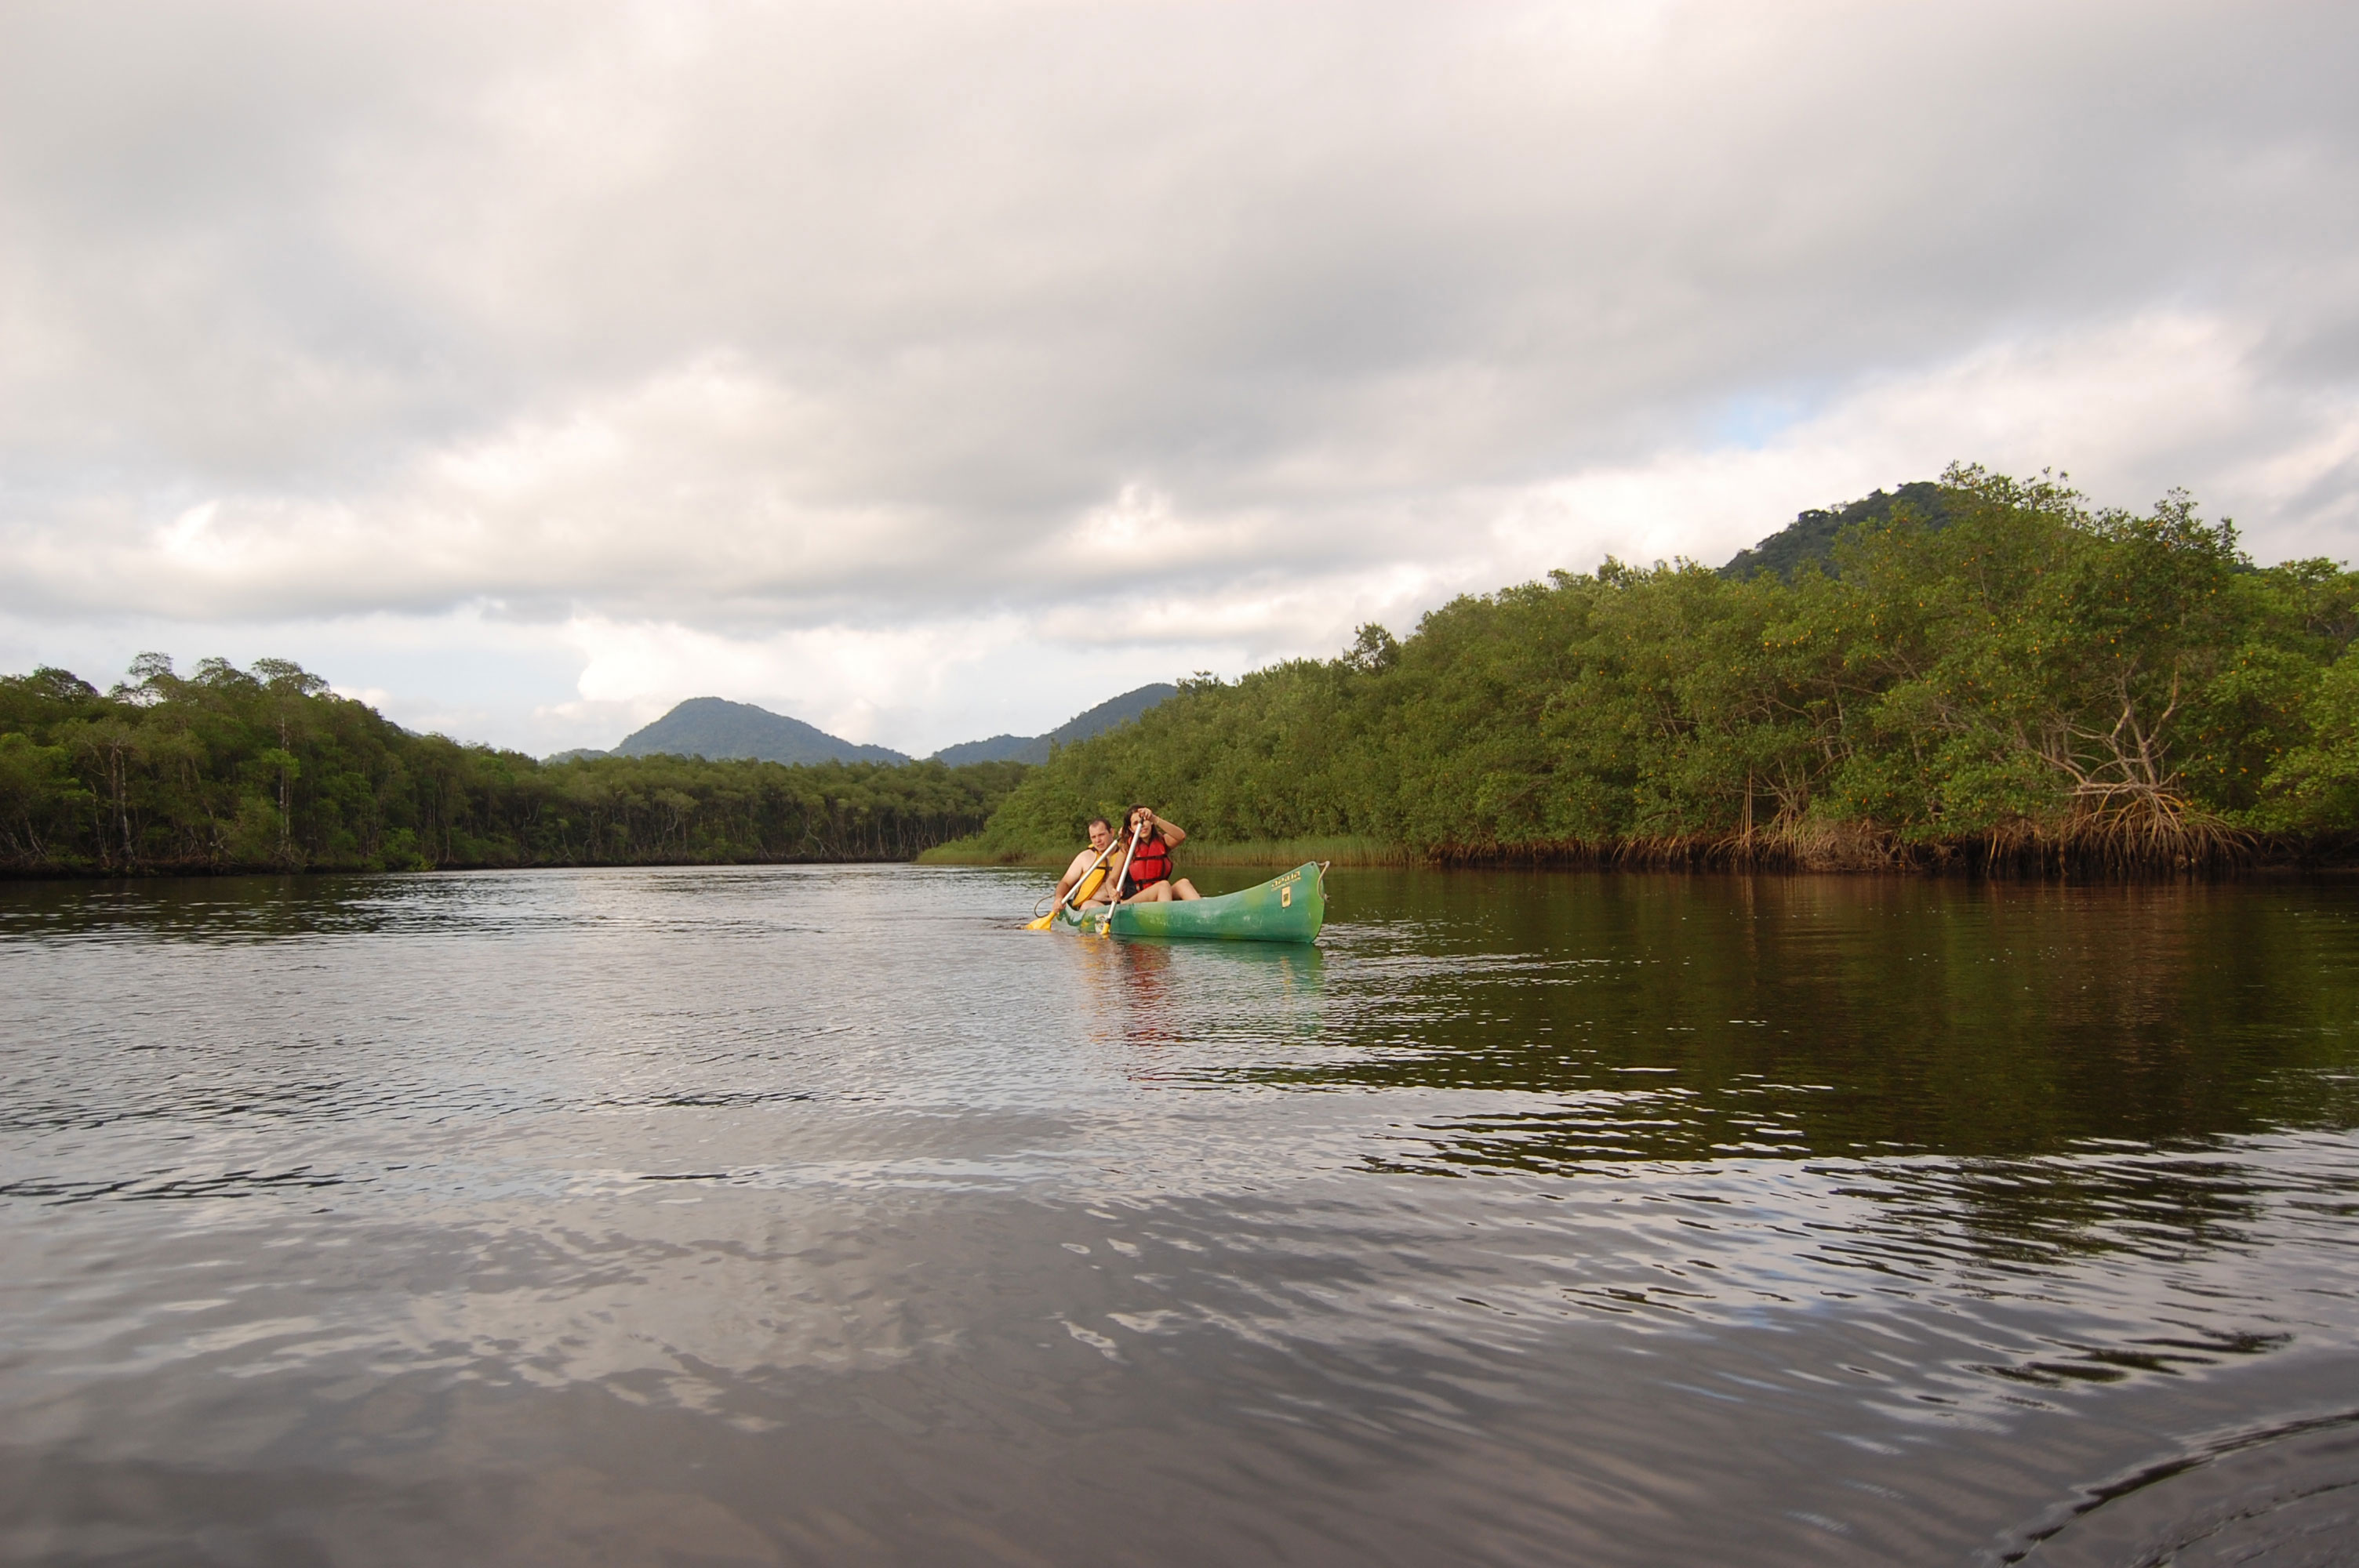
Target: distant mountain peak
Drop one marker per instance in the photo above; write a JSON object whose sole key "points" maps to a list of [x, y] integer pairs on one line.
{"points": [[721, 730]]}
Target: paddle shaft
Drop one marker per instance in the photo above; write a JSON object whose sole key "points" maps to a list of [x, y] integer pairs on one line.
{"points": [[1070, 894], [1114, 900]]}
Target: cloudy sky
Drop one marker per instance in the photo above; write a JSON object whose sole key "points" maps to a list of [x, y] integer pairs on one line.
{"points": [[929, 371]]}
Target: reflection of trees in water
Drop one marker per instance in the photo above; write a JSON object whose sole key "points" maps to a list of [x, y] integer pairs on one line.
{"points": [[200, 909], [1681, 1018], [262, 908], [2022, 1077], [2155, 1247], [2028, 1215], [1998, 1227]]}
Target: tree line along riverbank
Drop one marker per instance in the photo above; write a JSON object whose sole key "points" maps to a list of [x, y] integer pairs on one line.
{"points": [[265, 769], [1997, 678], [2008, 679]]}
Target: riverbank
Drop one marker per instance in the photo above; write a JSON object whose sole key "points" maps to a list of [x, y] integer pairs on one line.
{"points": [[1342, 852], [1849, 855], [230, 772], [2025, 856]]}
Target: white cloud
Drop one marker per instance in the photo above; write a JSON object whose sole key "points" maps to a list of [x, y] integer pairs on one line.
{"points": [[2140, 406]]}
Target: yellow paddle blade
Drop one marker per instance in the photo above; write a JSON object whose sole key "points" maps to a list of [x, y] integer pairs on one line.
{"points": [[1040, 924]]}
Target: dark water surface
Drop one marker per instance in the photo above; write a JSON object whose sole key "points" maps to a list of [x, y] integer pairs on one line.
{"points": [[824, 1215]]}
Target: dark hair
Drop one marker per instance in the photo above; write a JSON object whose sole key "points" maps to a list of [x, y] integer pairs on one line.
{"points": [[1134, 811], [1098, 822]]}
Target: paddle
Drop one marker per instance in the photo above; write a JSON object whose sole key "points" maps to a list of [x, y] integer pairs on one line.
{"points": [[1113, 899], [1073, 892]]}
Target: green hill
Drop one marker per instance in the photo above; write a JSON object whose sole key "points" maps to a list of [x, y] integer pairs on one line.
{"points": [[1811, 536], [1112, 711]]}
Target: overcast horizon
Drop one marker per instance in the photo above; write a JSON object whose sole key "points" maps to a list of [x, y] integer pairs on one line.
{"points": [[932, 371]]}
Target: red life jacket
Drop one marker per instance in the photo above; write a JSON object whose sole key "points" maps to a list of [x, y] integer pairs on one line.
{"points": [[1149, 863]]}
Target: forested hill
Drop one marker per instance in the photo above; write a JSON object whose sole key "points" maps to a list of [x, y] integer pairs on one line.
{"points": [[265, 769], [1114, 710], [2030, 682], [1811, 536]]}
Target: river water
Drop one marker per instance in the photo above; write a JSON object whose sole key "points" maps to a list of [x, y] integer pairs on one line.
{"points": [[823, 1215]]}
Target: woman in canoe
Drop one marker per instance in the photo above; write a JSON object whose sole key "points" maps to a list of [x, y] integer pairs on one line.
{"points": [[1149, 879]]}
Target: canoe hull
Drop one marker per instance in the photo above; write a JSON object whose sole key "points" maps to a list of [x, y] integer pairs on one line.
{"points": [[1289, 908]]}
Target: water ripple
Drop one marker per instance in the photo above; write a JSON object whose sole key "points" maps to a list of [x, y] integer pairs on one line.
{"points": [[825, 1214]]}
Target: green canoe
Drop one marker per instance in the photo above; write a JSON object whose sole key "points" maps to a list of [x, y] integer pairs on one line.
{"points": [[1289, 908]]}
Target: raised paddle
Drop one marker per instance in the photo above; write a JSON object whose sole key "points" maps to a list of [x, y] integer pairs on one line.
{"points": [[1049, 919], [1113, 899]]}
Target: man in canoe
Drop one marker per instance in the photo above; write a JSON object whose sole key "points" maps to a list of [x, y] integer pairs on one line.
{"points": [[1149, 878], [1093, 882]]}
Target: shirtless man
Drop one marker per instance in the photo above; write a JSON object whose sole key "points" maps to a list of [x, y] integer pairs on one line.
{"points": [[1101, 835], [1149, 879]]}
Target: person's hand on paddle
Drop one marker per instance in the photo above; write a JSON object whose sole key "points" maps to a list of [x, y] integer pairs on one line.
{"points": [[1156, 838], [1085, 876]]}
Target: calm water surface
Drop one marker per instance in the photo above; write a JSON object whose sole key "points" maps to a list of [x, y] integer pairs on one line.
{"points": [[826, 1216]]}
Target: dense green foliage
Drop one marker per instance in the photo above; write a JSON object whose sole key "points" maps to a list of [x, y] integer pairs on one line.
{"points": [[2030, 681], [265, 769], [1812, 537]]}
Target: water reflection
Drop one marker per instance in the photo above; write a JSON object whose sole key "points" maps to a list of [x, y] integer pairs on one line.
{"points": [[1151, 993], [1822, 1016]]}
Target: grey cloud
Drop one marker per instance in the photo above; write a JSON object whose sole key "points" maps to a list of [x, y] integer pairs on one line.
{"points": [[1332, 278]]}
